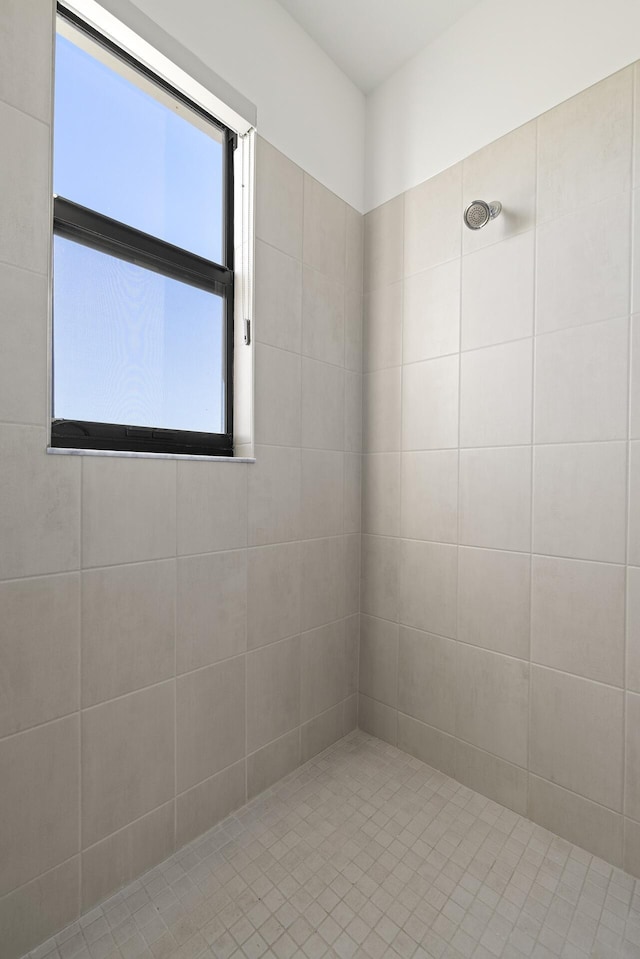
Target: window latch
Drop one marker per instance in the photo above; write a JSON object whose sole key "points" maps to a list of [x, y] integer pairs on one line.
{"points": [[247, 332]]}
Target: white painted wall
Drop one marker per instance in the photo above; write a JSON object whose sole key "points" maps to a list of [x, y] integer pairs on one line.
{"points": [[307, 107], [504, 63]]}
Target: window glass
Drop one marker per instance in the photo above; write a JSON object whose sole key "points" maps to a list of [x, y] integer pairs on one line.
{"points": [[132, 346], [125, 149]]}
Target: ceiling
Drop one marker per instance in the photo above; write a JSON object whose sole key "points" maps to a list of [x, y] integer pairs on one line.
{"points": [[370, 39]]}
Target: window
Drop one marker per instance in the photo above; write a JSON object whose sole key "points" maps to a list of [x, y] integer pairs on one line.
{"points": [[143, 275]]}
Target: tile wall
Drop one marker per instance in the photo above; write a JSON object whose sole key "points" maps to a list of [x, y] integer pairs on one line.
{"points": [[174, 636], [501, 476]]}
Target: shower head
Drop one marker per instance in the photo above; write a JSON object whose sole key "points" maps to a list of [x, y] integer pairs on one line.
{"points": [[478, 213]]}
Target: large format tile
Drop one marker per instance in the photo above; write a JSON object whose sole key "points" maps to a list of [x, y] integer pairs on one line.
{"points": [[39, 507], [39, 771], [39, 650], [505, 170], [322, 405], [273, 572], [433, 221], [634, 504], [430, 404], [383, 244], [323, 667], [584, 147], [206, 804], [274, 496], [321, 732], [23, 343], [632, 757], [128, 628], [352, 491], [427, 678], [212, 608], [428, 584], [39, 909], [576, 735], [582, 273], [377, 719], [210, 721], [496, 395], [277, 399], [381, 399], [273, 692], [128, 510], [431, 313], [323, 581], [25, 55], [378, 662], [429, 496], [278, 293], [577, 618], [273, 762], [581, 384], [494, 600], [212, 507], [633, 629], [381, 494], [352, 441], [497, 292], [278, 200], [495, 498], [322, 491], [379, 588], [426, 743], [324, 238], [579, 501], [492, 702], [382, 328], [500, 781], [323, 304], [128, 763]]}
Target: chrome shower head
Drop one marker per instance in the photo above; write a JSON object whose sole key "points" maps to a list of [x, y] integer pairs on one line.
{"points": [[478, 213]]}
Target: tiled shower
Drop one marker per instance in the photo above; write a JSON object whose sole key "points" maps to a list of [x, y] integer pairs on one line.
{"points": [[438, 541]]}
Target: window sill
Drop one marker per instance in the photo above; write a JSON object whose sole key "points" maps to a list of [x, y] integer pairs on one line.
{"points": [[63, 451]]}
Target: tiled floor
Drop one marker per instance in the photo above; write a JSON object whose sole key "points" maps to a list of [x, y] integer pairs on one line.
{"points": [[367, 852]]}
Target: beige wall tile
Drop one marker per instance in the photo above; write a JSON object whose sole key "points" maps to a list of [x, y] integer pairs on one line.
{"points": [[504, 170], [38, 910], [428, 585], [278, 200], [494, 600], [324, 246], [382, 330], [352, 492], [24, 170], [430, 404], [274, 496], [273, 692], [495, 498], [574, 818], [125, 855], [128, 628], [497, 288], [633, 629], [25, 55], [381, 494], [576, 735], [23, 341], [350, 715], [39, 772], [579, 501], [496, 395], [427, 679], [492, 777], [354, 262], [278, 297], [352, 412], [39, 507], [274, 593], [352, 574], [430, 745], [212, 507], [210, 721], [378, 720], [634, 395], [383, 244], [381, 399], [353, 330], [584, 147], [323, 405], [429, 503], [322, 491], [39, 650], [379, 659], [323, 669], [632, 757], [492, 702], [212, 608], [128, 510], [277, 397], [635, 268], [207, 803], [321, 732], [272, 763], [631, 859], [433, 221], [352, 652], [634, 504], [431, 313], [323, 304], [323, 581], [379, 589], [577, 618], [127, 759], [581, 383], [582, 266]]}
